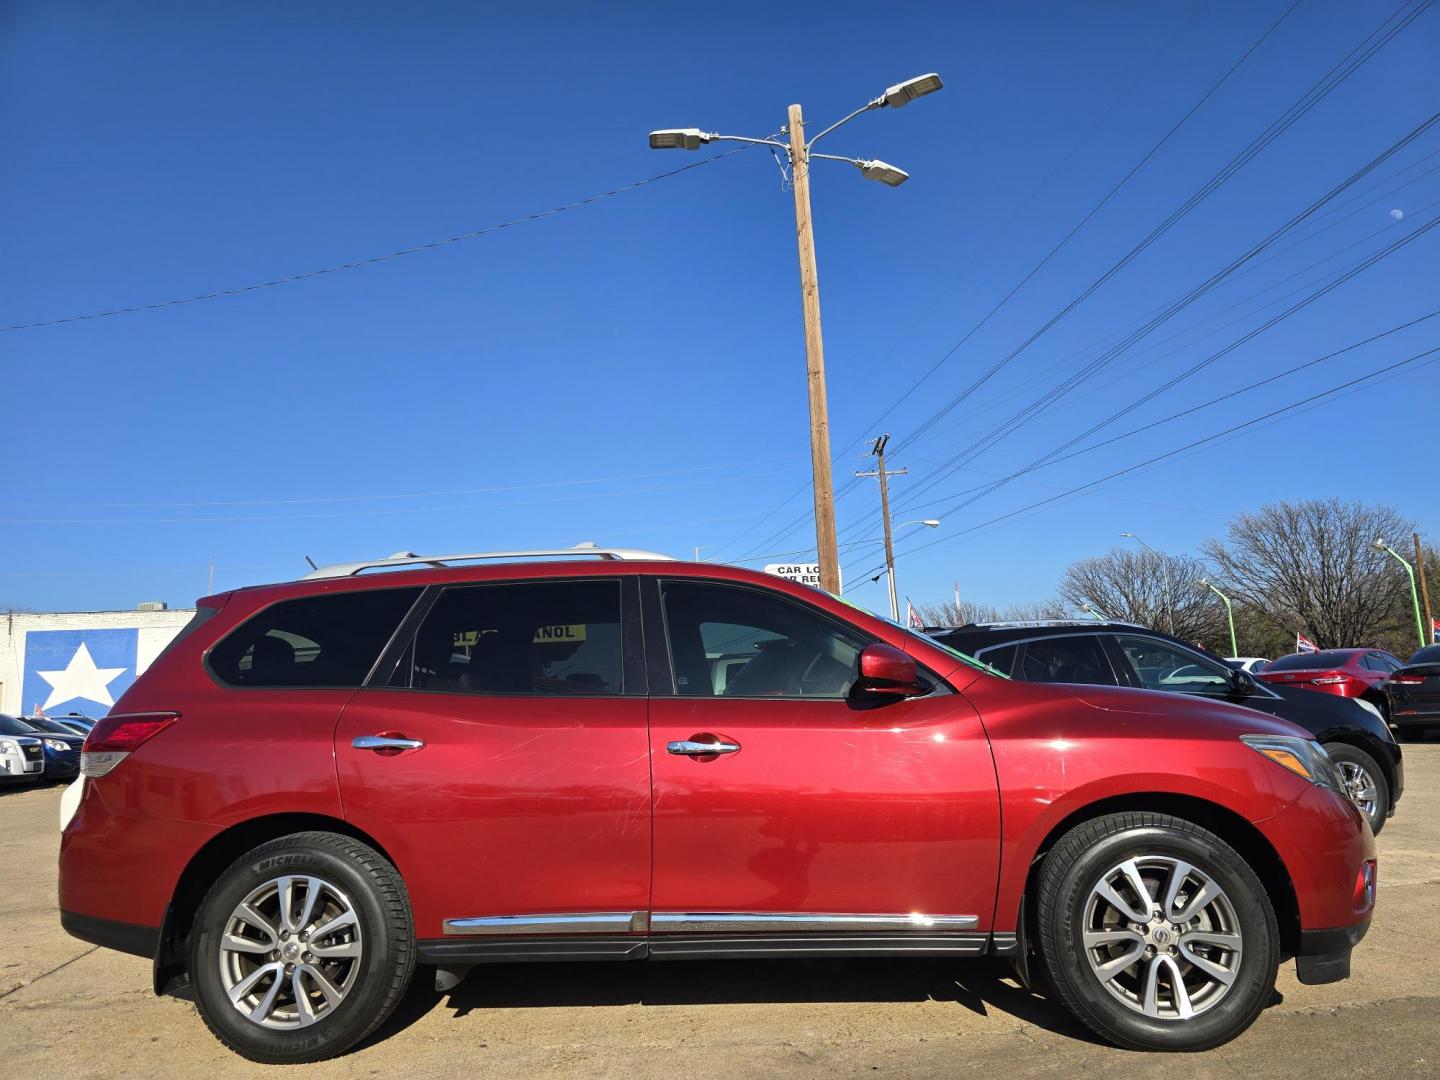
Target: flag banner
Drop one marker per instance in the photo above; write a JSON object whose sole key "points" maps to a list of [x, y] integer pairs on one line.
{"points": [[1303, 644], [912, 617], [78, 670]]}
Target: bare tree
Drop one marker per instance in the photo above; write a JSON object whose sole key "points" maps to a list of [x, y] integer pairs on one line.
{"points": [[1310, 566], [1148, 588], [970, 611]]}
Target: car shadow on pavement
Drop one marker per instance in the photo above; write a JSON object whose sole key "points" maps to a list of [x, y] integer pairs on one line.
{"points": [[983, 987]]}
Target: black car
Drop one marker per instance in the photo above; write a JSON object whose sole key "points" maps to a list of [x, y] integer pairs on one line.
{"points": [[1413, 692], [1123, 654], [62, 746]]}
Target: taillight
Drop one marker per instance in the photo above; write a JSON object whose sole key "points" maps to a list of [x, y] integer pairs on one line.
{"points": [[118, 735], [1331, 678], [1408, 678]]}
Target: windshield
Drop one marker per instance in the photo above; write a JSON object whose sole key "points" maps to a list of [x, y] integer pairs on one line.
{"points": [[41, 723], [1325, 658], [9, 725]]}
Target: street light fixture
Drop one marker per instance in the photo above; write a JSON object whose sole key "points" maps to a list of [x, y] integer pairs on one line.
{"points": [[1229, 615], [1381, 545], [1165, 569], [799, 152]]}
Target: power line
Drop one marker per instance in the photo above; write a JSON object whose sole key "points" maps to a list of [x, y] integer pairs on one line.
{"points": [[1195, 444], [374, 260], [1016, 420], [1318, 91], [1190, 410]]}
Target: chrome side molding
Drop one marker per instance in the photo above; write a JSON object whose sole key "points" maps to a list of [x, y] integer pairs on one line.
{"points": [[754, 922], [589, 922], [706, 922]]}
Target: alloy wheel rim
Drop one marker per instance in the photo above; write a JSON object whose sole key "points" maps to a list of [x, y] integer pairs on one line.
{"points": [[1359, 786], [290, 952], [1162, 937]]}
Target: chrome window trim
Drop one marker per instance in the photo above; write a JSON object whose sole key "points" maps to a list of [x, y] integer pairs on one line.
{"points": [[586, 922], [691, 922]]}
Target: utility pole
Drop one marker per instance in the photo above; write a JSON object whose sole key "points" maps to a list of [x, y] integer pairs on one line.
{"points": [[1424, 587], [800, 152], [825, 545], [210, 590], [883, 475]]}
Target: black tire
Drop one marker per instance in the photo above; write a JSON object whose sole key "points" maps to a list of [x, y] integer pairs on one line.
{"points": [[1343, 754], [1081, 859], [382, 973]]}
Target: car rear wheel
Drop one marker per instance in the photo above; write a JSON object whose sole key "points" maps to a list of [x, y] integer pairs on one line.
{"points": [[1155, 932], [1365, 783], [301, 948]]}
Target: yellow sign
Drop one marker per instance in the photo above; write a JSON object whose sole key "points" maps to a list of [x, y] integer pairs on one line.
{"points": [[560, 635]]}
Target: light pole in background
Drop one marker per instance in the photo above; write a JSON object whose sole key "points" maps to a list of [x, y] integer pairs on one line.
{"points": [[1229, 615], [1381, 545], [1165, 569], [800, 152]]}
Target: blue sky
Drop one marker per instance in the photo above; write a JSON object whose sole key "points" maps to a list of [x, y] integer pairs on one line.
{"points": [[632, 372]]}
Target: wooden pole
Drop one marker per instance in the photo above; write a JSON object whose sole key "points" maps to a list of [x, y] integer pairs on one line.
{"points": [[825, 545]]}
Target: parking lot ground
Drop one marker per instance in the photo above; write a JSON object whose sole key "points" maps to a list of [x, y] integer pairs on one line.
{"points": [[67, 1009]]}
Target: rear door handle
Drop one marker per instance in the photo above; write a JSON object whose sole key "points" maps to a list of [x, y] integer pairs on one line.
{"points": [[701, 746], [383, 744]]}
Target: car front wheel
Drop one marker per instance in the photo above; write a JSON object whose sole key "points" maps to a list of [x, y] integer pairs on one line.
{"points": [[1155, 932], [1365, 783], [301, 948]]}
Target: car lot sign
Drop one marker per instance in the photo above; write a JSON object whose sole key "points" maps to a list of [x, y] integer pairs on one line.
{"points": [[806, 573]]}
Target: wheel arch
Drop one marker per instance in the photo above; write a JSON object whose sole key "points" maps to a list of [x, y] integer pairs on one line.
{"points": [[170, 972], [1223, 822]]}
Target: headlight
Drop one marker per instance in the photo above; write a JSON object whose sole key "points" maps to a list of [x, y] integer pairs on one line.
{"points": [[1304, 757], [9, 748], [56, 745]]}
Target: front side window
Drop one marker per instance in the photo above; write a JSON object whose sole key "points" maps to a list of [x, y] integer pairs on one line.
{"points": [[330, 640], [559, 638], [1079, 659], [1161, 666], [730, 641]]}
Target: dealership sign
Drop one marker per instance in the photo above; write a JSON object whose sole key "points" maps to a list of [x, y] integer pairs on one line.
{"points": [[806, 573]]}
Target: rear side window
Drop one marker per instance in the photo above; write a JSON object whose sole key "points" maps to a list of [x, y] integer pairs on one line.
{"points": [[1067, 660], [1002, 658], [559, 638], [313, 641]]}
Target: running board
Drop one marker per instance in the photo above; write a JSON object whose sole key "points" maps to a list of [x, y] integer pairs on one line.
{"points": [[455, 952]]}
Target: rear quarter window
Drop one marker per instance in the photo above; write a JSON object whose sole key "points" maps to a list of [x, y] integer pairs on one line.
{"points": [[331, 640]]}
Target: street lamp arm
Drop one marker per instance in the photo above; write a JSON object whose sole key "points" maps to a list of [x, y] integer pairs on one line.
{"points": [[710, 137], [876, 104]]}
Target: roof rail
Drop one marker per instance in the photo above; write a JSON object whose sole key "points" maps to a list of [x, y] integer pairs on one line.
{"points": [[409, 558]]}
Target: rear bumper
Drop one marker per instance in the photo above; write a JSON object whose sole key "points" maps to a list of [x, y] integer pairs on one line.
{"points": [[124, 937], [1324, 955]]}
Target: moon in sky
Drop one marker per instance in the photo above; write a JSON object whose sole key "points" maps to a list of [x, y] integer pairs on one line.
{"points": [[1397, 213]]}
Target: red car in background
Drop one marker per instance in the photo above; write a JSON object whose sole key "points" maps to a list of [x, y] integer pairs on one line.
{"points": [[1351, 673]]}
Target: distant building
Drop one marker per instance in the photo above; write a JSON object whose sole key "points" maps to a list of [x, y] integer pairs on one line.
{"points": [[79, 661]]}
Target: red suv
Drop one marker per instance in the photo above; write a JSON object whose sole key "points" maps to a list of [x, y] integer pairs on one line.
{"points": [[323, 783]]}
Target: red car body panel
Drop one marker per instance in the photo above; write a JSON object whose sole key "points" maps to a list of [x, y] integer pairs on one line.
{"points": [[825, 809], [515, 804], [934, 804]]}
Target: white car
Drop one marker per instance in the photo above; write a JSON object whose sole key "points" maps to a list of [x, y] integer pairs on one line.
{"points": [[1251, 664], [22, 758]]}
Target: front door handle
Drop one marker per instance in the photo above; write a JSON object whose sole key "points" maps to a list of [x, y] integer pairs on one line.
{"points": [[702, 746], [386, 744]]}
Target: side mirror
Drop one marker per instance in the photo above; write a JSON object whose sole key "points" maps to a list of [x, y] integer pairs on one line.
{"points": [[1244, 683], [884, 669]]}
